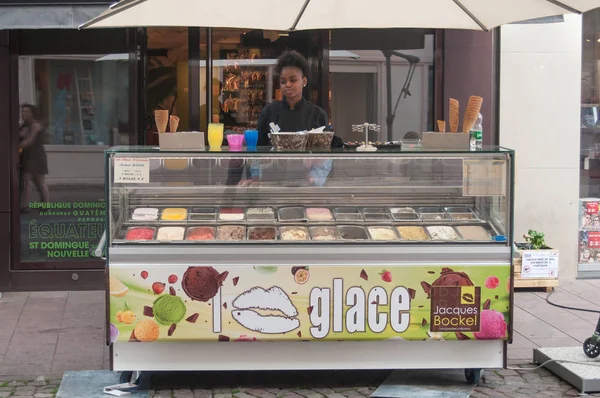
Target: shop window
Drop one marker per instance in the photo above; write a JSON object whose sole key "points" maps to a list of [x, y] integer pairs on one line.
{"points": [[77, 106]]}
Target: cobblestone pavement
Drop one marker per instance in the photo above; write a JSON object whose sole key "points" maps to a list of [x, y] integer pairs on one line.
{"points": [[348, 384]]}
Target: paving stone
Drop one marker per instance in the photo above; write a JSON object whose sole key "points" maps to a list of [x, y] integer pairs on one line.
{"points": [[5, 394], [199, 393], [335, 395], [259, 393], [183, 393], [43, 395], [162, 394]]}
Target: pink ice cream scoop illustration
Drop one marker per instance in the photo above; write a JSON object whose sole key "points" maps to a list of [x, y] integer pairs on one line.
{"points": [[493, 326], [492, 282]]}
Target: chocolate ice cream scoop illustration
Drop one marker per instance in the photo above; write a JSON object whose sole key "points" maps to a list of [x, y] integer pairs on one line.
{"points": [[452, 278], [202, 283], [273, 299]]}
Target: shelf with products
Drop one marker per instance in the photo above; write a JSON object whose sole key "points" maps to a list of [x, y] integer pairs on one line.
{"points": [[247, 86]]}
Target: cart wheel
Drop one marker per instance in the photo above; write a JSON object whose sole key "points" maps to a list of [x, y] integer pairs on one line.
{"points": [[473, 375], [125, 376], [590, 349]]}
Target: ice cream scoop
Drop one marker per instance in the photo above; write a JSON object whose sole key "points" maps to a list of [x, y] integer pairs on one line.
{"points": [[202, 283], [492, 326], [449, 277], [146, 331], [168, 309]]}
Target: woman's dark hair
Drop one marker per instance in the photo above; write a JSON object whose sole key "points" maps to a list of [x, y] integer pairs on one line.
{"points": [[292, 58], [32, 108]]}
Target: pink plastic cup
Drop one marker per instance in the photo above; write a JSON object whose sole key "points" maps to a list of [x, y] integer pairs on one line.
{"points": [[235, 141]]}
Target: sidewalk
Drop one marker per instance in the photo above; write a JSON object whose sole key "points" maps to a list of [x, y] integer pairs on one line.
{"points": [[48, 333]]}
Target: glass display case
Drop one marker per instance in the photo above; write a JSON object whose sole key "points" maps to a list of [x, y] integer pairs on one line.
{"points": [[333, 246]]}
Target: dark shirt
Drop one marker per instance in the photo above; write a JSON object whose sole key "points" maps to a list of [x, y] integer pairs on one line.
{"points": [[304, 116]]}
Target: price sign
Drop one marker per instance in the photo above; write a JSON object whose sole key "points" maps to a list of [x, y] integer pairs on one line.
{"points": [[539, 264], [132, 171]]}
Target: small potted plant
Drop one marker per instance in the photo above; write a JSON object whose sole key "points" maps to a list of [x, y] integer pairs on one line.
{"points": [[535, 241]]}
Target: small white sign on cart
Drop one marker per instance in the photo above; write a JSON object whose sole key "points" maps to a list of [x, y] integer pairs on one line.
{"points": [[539, 264], [132, 170]]}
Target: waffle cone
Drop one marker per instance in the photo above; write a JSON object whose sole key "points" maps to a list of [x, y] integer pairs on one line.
{"points": [[161, 117], [441, 126], [173, 123], [453, 113], [472, 112]]}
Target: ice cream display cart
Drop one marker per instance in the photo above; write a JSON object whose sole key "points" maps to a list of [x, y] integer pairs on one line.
{"points": [[389, 259]]}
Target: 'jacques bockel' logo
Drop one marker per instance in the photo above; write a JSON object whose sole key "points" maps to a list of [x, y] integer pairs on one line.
{"points": [[455, 309]]}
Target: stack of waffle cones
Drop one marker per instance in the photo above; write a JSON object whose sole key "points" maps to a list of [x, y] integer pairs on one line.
{"points": [[173, 123], [470, 117], [454, 115], [162, 119], [472, 113]]}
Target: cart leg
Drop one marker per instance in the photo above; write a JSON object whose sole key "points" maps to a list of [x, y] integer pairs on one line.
{"points": [[473, 375]]}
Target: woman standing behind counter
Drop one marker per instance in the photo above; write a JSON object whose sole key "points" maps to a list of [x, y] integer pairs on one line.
{"points": [[294, 113]]}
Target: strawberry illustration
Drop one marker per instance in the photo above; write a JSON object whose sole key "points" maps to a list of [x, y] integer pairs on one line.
{"points": [[158, 287], [144, 274], [386, 276]]}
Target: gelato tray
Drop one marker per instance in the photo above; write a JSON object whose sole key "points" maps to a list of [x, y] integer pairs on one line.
{"points": [[262, 233], [404, 214], [319, 214], [292, 214], [202, 214], [382, 233], [443, 232], [474, 233], [231, 233], [145, 214], [294, 233], [140, 233], [352, 232], [413, 233], [260, 214], [231, 214], [375, 214], [200, 233], [433, 214], [174, 214], [323, 233], [461, 214], [347, 214], [170, 233]]}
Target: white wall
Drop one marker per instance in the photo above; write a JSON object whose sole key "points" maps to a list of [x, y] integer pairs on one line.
{"points": [[540, 89]]}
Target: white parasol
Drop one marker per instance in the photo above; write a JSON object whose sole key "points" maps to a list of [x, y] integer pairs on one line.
{"points": [[289, 15]]}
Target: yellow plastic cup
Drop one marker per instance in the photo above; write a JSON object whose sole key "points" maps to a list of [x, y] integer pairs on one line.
{"points": [[215, 135]]}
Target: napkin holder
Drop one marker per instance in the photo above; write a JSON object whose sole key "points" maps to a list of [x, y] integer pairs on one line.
{"points": [[182, 141], [457, 141]]}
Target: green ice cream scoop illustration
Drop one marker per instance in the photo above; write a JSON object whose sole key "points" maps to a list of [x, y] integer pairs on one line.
{"points": [[168, 309]]}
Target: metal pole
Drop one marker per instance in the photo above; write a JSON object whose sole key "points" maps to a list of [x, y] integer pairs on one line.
{"points": [[209, 78], [388, 78]]}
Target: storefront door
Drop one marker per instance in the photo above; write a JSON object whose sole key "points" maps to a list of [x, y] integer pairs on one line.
{"points": [[73, 102]]}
